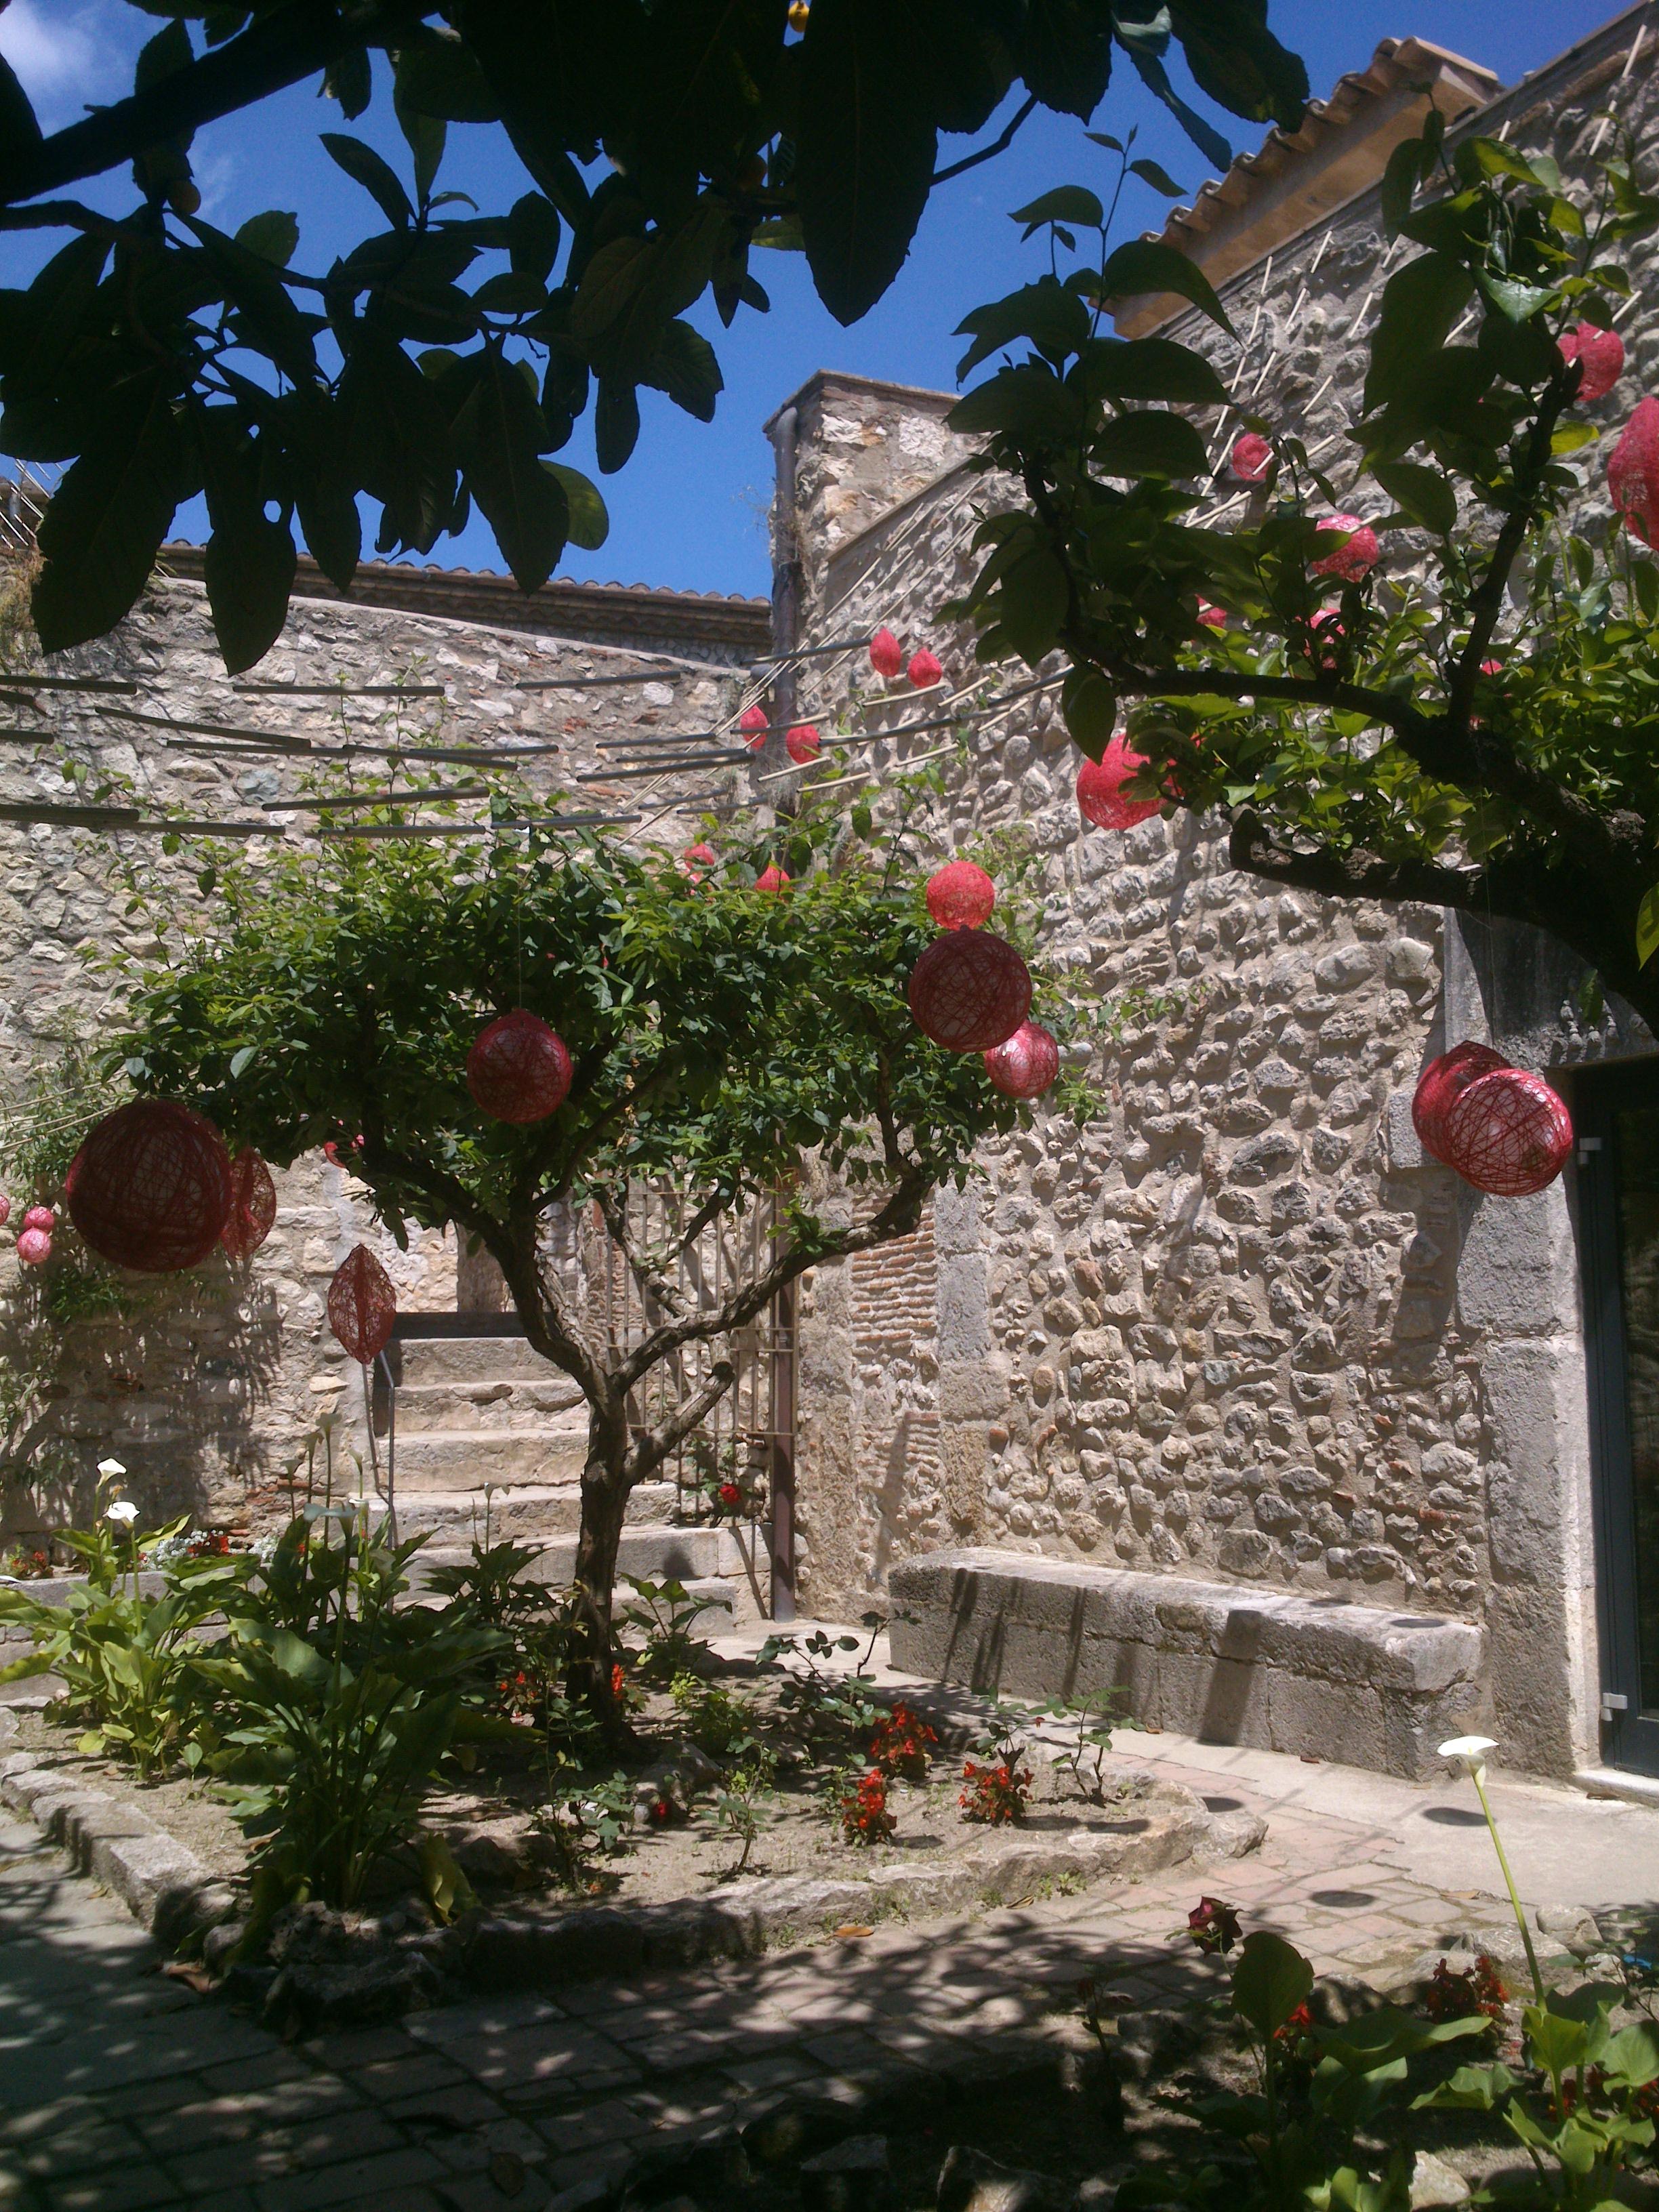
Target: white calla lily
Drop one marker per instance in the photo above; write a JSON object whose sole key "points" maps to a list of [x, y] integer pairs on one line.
{"points": [[1470, 1751], [122, 1509], [110, 1469]]}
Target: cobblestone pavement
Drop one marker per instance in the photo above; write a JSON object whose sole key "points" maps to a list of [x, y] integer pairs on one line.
{"points": [[120, 2088]]}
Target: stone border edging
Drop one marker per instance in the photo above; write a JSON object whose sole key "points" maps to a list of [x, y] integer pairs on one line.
{"points": [[165, 1887]]}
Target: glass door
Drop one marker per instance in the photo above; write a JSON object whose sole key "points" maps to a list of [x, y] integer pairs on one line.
{"points": [[1617, 1121]]}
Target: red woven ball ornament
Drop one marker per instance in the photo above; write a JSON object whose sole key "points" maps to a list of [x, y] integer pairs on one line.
{"points": [[1440, 1086], [1633, 472], [772, 880], [1355, 559], [5, 1211], [886, 654], [1602, 356], [803, 743], [1025, 1064], [961, 895], [696, 861], [970, 991], [925, 669], [754, 725], [1509, 1133], [363, 1306], [40, 1216], [1100, 786], [519, 1069], [1212, 617], [150, 1186], [1252, 457], [34, 1248], [252, 1205]]}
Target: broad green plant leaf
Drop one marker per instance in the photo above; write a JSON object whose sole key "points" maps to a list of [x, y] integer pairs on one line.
{"points": [[1271, 1978], [1143, 266]]}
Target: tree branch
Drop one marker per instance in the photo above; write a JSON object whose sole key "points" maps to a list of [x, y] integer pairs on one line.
{"points": [[652, 1447], [281, 47], [652, 1283], [985, 153]]}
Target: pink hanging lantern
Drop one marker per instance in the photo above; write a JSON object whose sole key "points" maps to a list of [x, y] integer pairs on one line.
{"points": [[970, 991], [252, 1213], [1633, 472], [961, 895], [519, 1069], [1439, 1087], [752, 727], [1211, 618], [362, 1305], [149, 1188], [1251, 458], [1354, 560], [803, 743], [1600, 355], [34, 1248], [1508, 1132], [1100, 788], [772, 878], [5, 1210], [40, 1216], [925, 670], [696, 861], [1026, 1065], [886, 654]]}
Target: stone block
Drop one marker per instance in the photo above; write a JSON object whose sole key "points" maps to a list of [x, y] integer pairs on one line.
{"points": [[1224, 1662]]}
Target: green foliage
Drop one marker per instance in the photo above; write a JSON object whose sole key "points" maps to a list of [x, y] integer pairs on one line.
{"points": [[1473, 723], [665, 1614], [1093, 1716], [814, 1701], [436, 364], [740, 1805], [583, 1822], [717, 1721]]}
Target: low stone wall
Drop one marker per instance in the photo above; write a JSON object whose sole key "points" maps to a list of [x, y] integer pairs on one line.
{"points": [[1224, 1662]]}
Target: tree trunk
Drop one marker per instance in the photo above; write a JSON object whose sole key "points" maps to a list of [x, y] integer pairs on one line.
{"points": [[605, 1501]]}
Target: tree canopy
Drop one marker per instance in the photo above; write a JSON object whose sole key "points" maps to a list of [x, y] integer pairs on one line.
{"points": [[437, 366], [1468, 718]]}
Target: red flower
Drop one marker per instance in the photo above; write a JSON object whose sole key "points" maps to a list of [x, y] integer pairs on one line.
{"points": [[617, 1683], [661, 1809], [1212, 617], [729, 1494], [1213, 1926]]}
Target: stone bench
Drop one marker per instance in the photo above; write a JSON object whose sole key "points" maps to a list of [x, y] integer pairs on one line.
{"points": [[1225, 1662]]}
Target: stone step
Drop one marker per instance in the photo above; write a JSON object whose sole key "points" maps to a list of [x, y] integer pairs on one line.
{"points": [[427, 1359], [525, 1513], [540, 1407], [655, 1554], [467, 1459]]}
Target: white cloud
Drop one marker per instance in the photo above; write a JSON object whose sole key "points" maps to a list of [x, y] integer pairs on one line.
{"points": [[63, 59]]}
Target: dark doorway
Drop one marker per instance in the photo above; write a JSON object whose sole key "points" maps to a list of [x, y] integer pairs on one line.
{"points": [[1617, 1121]]}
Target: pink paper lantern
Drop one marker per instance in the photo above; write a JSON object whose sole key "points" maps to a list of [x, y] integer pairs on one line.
{"points": [[1633, 472], [40, 1216], [519, 1069], [886, 654], [970, 991], [803, 743], [925, 670], [1357, 558], [1508, 1132], [752, 725], [362, 1305], [1100, 788], [772, 878], [1252, 457], [696, 861], [1026, 1065], [252, 1213], [149, 1188], [34, 1248], [961, 895], [1600, 355], [1440, 1084]]}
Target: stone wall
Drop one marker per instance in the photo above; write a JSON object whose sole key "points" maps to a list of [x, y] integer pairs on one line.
{"points": [[1237, 1327], [204, 1387]]}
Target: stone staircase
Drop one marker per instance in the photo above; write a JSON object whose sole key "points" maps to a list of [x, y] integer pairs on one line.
{"points": [[488, 1437]]}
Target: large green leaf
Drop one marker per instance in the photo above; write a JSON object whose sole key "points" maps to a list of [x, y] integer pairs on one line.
{"points": [[1048, 313], [101, 534], [615, 425], [1029, 404], [1145, 266], [590, 522], [397, 441], [1089, 706], [1149, 442], [1420, 303], [499, 435], [438, 75], [1237, 61], [1066, 204], [366, 167], [1151, 368], [1271, 1978], [1426, 495], [866, 146], [685, 369], [1063, 50], [248, 569]]}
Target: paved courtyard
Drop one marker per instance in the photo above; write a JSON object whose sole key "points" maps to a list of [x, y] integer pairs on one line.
{"points": [[119, 2088]]}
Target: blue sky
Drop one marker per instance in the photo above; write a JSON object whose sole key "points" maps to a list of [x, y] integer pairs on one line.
{"points": [[688, 511]]}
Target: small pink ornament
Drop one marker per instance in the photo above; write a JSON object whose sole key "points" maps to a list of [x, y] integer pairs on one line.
{"points": [[961, 895], [1358, 557], [1212, 617], [1100, 788], [696, 861], [773, 878], [1492, 668], [925, 670], [1633, 472], [803, 743], [5, 1211], [40, 1216], [886, 654], [1252, 457], [752, 725], [34, 1247], [1601, 356], [1026, 1065]]}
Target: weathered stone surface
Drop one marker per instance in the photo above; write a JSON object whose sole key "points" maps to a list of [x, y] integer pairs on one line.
{"points": [[854, 2176], [973, 2181]]}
